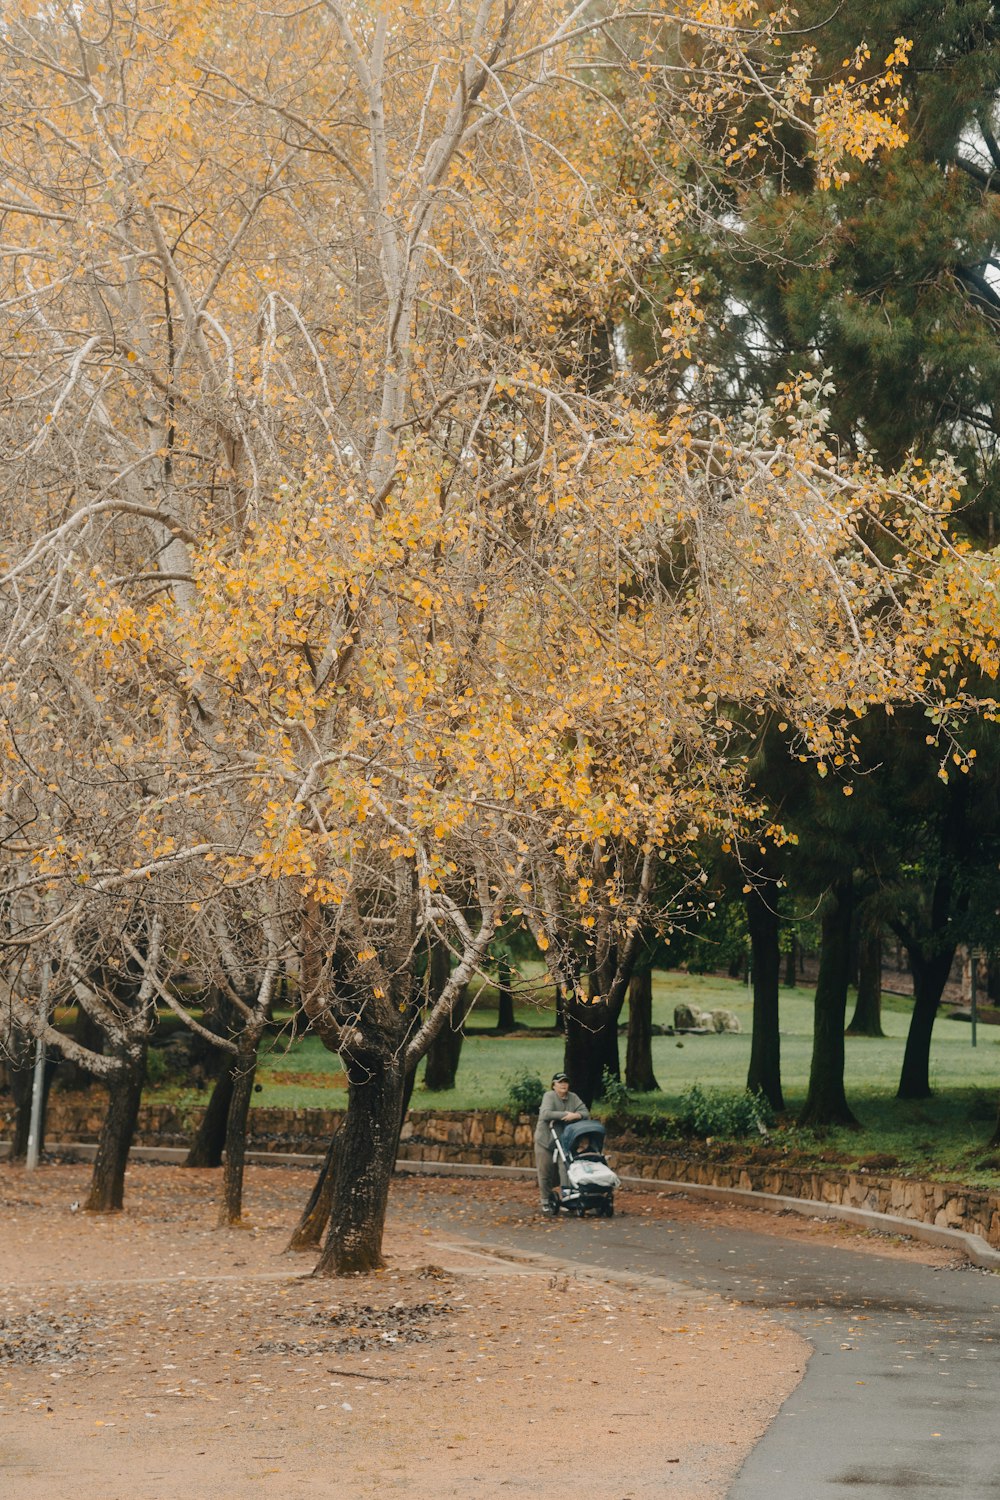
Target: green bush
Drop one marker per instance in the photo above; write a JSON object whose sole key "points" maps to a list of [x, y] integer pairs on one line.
{"points": [[524, 1093], [158, 1069], [705, 1112], [613, 1092]]}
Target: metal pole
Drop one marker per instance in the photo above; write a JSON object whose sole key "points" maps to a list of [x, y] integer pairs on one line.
{"points": [[38, 1083], [972, 1006]]}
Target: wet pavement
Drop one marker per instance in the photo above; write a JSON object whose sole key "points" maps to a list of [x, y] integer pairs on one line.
{"points": [[901, 1394]]}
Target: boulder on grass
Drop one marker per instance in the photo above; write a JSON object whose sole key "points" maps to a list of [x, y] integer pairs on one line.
{"points": [[725, 1020]]}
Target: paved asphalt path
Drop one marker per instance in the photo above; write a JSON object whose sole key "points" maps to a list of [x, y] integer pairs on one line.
{"points": [[902, 1394]]}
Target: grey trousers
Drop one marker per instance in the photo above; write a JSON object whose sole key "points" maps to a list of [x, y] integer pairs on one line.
{"points": [[550, 1171]]}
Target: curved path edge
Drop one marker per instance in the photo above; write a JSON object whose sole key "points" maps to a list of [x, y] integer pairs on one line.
{"points": [[973, 1246]]}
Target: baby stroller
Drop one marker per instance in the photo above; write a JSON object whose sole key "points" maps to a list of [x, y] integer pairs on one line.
{"points": [[580, 1146]]}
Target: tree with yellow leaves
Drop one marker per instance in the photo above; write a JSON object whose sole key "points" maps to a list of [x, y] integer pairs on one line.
{"points": [[362, 578]]}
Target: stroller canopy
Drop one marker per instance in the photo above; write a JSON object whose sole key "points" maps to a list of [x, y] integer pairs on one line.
{"points": [[577, 1129]]}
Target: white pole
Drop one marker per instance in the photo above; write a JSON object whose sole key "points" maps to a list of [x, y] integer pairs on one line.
{"points": [[38, 1083]]}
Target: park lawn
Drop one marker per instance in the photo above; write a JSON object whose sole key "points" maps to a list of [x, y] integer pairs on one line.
{"points": [[942, 1137]]}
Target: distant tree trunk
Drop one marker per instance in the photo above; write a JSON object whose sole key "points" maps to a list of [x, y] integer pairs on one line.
{"points": [[867, 1018], [639, 1048], [21, 1076], [89, 1034], [107, 1183], [445, 1050], [826, 1101], [219, 1016], [792, 965], [505, 997], [244, 1070], [765, 1043], [210, 1137], [308, 1232], [365, 1159], [930, 975]]}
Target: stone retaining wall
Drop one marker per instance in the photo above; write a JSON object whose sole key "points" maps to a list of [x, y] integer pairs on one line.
{"points": [[493, 1139]]}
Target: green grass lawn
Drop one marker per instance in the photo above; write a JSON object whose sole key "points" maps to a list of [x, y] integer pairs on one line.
{"points": [[943, 1136]]}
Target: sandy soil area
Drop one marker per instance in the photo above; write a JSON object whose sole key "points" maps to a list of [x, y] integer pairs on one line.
{"points": [[150, 1355]]}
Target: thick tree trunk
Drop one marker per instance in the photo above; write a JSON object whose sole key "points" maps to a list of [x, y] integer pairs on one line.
{"points": [[505, 998], [765, 1043], [107, 1183], [231, 1200], [930, 975], [560, 1008], [445, 1050], [210, 1137], [308, 1232], [867, 1018], [826, 1101], [591, 1047], [365, 1159], [639, 1073]]}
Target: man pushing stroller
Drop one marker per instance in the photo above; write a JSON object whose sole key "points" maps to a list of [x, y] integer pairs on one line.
{"points": [[558, 1106]]}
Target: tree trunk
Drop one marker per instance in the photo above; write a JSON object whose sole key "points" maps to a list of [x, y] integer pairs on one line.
{"points": [[591, 1046], [867, 1018], [560, 1008], [765, 1043], [90, 1035], [930, 975], [21, 1076], [210, 1137], [639, 1073], [505, 998], [245, 1067], [365, 1159], [107, 1183], [792, 965], [445, 1050], [826, 1101], [308, 1232]]}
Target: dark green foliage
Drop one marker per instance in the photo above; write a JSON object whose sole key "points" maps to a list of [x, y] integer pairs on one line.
{"points": [[524, 1094], [704, 1113], [885, 283], [614, 1093]]}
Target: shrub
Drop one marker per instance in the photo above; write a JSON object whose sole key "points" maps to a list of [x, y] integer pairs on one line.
{"points": [[613, 1091], [524, 1093], [705, 1112], [158, 1068]]}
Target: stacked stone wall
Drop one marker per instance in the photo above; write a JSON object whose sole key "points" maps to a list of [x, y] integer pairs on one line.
{"points": [[487, 1137]]}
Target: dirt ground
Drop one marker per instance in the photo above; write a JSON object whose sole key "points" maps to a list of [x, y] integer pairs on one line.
{"points": [[150, 1355]]}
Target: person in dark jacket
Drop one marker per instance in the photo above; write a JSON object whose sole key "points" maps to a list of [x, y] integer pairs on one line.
{"points": [[559, 1106]]}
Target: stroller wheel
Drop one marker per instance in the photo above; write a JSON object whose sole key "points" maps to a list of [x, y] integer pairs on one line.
{"points": [[607, 1211]]}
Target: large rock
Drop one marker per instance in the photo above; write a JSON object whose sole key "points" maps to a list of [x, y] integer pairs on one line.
{"points": [[690, 1018], [725, 1020]]}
